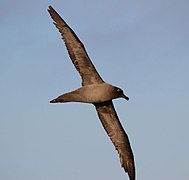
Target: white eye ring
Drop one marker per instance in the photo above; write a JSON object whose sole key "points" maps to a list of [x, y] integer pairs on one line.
{"points": [[118, 90]]}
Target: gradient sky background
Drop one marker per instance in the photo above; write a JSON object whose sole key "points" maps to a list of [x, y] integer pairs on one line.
{"points": [[141, 46]]}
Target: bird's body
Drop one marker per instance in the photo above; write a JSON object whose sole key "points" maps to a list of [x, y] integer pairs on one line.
{"points": [[94, 90], [93, 93]]}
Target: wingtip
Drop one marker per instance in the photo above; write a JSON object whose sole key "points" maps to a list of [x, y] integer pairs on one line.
{"points": [[50, 7], [131, 170]]}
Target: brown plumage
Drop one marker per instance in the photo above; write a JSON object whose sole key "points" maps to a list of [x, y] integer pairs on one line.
{"points": [[77, 52], [94, 90], [115, 131]]}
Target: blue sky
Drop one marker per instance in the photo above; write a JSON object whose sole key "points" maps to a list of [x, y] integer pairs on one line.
{"points": [[141, 46]]}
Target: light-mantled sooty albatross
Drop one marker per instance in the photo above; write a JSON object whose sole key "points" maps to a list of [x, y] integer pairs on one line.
{"points": [[94, 90]]}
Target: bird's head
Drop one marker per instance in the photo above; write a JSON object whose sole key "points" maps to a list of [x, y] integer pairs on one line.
{"points": [[119, 93]]}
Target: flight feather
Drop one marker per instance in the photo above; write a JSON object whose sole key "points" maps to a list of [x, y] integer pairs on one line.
{"points": [[76, 51], [119, 138]]}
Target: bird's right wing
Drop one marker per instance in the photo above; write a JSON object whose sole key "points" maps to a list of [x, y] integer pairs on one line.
{"points": [[76, 51], [115, 131]]}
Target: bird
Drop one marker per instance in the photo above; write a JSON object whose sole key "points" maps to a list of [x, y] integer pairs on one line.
{"points": [[96, 91]]}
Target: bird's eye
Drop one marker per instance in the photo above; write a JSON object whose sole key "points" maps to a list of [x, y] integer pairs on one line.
{"points": [[118, 90]]}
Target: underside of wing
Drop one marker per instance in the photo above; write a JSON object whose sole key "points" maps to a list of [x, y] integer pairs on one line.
{"points": [[115, 131], [76, 51]]}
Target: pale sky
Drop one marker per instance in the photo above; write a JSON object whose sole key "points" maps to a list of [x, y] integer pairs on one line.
{"points": [[141, 46]]}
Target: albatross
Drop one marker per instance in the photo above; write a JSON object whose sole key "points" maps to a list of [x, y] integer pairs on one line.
{"points": [[96, 91]]}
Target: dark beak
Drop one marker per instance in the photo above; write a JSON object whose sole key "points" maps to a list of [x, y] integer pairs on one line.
{"points": [[125, 97]]}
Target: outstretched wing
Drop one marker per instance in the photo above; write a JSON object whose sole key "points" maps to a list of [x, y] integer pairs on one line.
{"points": [[115, 131], [76, 51]]}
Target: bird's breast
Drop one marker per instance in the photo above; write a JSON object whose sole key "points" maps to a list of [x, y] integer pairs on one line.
{"points": [[97, 93]]}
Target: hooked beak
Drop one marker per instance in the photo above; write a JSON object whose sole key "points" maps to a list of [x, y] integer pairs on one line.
{"points": [[125, 97]]}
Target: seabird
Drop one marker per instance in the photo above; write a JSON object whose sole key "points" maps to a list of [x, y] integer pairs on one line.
{"points": [[94, 90]]}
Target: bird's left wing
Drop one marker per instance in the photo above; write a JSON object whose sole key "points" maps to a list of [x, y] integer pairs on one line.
{"points": [[115, 131], [76, 51]]}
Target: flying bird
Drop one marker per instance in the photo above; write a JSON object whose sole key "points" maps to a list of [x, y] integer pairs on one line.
{"points": [[95, 91]]}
